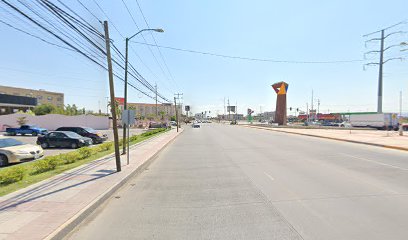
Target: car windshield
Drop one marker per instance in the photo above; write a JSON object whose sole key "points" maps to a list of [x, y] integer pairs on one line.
{"points": [[9, 142], [73, 135], [90, 130]]}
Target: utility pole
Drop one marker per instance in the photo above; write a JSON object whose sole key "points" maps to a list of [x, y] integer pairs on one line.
{"points": [[155, 87], [175, 106], [380, 74], [400, 103], [112, 97], [125, 96], [381, 61], [229, 110], [107, 106], [307, 112], [318, 106], [224, 109], [312, 107]]}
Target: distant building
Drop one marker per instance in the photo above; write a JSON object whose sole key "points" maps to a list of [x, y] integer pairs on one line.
{"points": [[14, 99], [146, 110], [42, 96]]}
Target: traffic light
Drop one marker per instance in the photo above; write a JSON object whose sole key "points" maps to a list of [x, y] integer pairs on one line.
{"points": [[290, 109], [297, 109]]}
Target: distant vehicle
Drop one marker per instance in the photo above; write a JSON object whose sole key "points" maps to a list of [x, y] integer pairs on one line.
{"points": [[330, 124], [313, 123], [345, 125], [233, 122], [14, 151], [173, 123], [26, 129], [405, 127], [63, 139], [91, 133], [383, 121], [196, 124]]}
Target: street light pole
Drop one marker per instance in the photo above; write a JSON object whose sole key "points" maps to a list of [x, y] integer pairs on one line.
{"points": [[126, 79]]}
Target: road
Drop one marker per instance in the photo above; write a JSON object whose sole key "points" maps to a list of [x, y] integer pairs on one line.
{"points": [[55, 151], [232, 182]]}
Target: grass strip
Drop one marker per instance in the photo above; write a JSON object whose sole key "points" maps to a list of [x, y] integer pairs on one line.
{"points": [[20, 176]]}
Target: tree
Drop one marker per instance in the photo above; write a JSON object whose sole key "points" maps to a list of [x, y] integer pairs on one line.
{"points": [[162, 115], [44, 109], [118, 110], [22, 120], [173, 118]]}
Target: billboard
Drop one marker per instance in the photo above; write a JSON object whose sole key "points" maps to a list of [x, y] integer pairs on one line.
{"points": [[231, 109], [120, 101]]}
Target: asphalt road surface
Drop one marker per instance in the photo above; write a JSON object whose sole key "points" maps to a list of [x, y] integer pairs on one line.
{"points": [[232, 182]]}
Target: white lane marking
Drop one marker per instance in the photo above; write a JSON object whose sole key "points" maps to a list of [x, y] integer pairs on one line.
{"points": [[269, 176], [380, 163]]}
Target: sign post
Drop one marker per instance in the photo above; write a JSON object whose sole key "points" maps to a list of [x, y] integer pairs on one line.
{"points": [[128, 118]]}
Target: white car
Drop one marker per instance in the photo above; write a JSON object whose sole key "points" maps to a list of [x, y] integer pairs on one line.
{"points": [[13, 151], [196, 124], [345, 125]]}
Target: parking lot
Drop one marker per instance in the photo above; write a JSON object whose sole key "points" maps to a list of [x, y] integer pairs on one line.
{"points": [[55, 151]]}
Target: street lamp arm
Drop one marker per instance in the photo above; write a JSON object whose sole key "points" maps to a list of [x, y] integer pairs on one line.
{"points": [[147, 29]]}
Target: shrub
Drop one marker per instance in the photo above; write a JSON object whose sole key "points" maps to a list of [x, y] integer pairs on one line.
{"points": [[11, 175], [45, 165], [70, 157], [84, 152], [106, 146]]}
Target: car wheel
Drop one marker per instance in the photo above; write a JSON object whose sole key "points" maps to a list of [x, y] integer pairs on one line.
{"points": [[74, 145], [34, 134], [3, 160], [44, 145]]}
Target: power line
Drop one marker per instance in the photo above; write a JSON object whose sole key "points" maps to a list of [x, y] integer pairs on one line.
{"points": [[250, 58], [144, 39], [34, 36], [158, 49]]}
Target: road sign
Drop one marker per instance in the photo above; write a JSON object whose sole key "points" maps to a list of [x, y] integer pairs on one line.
{"points": [[128, 117], [187, 108]]}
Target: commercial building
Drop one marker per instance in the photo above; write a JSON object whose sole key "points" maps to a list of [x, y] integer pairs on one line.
{"points": [[42, 96], [12, 104], [148, 110]]}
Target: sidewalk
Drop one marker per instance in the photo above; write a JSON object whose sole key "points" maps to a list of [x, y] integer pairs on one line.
{"points": [[52, 207], [387, 139]]}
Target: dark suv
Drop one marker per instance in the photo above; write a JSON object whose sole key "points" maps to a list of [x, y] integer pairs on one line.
{"points": [[86, 132]]}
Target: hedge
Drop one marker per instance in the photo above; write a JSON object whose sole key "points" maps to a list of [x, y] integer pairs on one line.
{"points": [[17, 173], [11, 175]]}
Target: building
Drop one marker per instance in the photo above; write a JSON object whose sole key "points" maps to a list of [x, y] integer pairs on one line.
{"points": [[147, 110], [42, 96], [230, 117], [12, 104]]}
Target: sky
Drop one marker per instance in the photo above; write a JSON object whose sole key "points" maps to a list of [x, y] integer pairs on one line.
{"points": [[296, 31]]}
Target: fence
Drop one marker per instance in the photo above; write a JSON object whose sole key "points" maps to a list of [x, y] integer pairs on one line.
{"points": [[54, 121]]}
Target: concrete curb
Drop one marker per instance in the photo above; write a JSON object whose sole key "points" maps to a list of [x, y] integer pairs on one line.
{"points": [[333, 138], [62, 231]]}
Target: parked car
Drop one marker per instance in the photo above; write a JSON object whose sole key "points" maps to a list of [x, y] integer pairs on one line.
{"points": [[196, 124], [63, 139], [91, 133], [157, 125], [14, 151], [26, 129], [233, 122], [173, 123]]}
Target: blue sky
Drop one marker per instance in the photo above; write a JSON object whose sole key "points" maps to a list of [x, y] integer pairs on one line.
{"points": [[281, 30]]}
